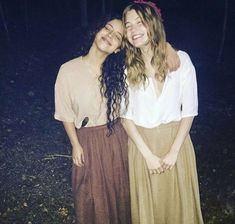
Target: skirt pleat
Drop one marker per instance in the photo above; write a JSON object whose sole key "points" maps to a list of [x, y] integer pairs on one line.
{"points": [[101, 187], [171, 197]]}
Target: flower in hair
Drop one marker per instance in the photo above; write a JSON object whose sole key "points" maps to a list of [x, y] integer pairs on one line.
{"points": [[151, 4]]}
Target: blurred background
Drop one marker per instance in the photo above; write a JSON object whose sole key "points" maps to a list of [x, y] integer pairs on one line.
{"points": [[36, 37]]}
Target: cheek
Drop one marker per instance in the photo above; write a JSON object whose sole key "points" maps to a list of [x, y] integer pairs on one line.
{"points": [[98, 36], [145, 31], [101, 33], [116, 45], [128, 35]]}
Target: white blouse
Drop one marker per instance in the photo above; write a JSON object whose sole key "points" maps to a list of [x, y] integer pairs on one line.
{"points": [[178, 98]]}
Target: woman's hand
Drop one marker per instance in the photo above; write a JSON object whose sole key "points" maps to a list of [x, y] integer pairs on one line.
{"points": [[172, 58], [78, 156], [77, 150], [169, 160], [154, 164]]}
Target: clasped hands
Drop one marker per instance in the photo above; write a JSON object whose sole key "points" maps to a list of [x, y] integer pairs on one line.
{"points": [[158, 165]]}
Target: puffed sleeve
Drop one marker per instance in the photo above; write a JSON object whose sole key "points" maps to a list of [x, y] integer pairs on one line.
{"points": [[63, 105], [189, 94]]}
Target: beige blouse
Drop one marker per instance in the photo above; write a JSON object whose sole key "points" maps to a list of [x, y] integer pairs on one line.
{"points": [[77, 95]]}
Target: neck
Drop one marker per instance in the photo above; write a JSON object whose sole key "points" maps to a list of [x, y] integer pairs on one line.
{"points": [[147, 53], [95, 57]]}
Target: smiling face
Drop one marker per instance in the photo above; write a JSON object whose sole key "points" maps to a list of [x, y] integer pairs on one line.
{"points": [[109, 38], [136, 31]]}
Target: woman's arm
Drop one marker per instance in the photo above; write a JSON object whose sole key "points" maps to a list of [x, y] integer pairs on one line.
{"points": [[172, 58], [153, 162], [77, 151], [169, 160]]}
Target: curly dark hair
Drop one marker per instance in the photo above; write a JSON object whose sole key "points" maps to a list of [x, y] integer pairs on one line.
{"points": [[114, 87], [113, 84]]}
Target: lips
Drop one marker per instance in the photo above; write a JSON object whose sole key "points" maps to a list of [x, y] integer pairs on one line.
{"points": [[106, 40], [137, 36]]}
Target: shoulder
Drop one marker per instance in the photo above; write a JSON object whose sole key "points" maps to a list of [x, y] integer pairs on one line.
{"points": [[71, 65], [187, 70], [185, 60], [70, 68]]}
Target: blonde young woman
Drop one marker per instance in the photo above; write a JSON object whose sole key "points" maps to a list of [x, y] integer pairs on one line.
{"points": [[162, 106]]}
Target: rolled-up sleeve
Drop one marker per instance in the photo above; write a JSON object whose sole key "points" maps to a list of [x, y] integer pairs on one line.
{"points": [[189, 89], [63, 104]]}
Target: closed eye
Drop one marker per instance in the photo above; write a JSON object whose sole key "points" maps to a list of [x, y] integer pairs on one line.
{"points": [[118, 37], [108, 28]]}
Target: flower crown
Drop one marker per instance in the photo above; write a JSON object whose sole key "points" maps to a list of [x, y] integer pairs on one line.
{"points": [[151, 4]]}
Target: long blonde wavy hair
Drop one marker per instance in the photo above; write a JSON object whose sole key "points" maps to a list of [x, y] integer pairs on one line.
{"points": [[157, 38]]}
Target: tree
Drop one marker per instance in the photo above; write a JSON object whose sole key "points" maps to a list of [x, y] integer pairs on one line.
{"points": [[84, 18], [224, 31], [4, 22], [103, 8]]}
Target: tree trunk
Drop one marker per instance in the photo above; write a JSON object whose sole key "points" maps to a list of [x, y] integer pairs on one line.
{"points": [[26, 16], [110, 6], [4, 22], [223, 32], [103, 11], [84, 18]]}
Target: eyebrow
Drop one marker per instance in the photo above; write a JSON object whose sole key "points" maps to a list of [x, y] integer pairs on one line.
{"points": [[135, 19], [113, 29]]}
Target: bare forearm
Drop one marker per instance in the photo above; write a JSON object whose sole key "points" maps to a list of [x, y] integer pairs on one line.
{"points": [[77, 151], [172, 58], [135, 136], [184, 128], [152, 161], [71, 132]]}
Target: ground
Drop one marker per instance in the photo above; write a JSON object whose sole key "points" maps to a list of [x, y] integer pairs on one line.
{"points": [[35, 162]]}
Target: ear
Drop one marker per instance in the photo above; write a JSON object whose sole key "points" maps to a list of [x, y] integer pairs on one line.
{"points": [[116, 51]]}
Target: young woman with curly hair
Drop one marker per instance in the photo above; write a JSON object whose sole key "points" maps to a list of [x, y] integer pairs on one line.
{"points": [[162, 105], [88, 92]]}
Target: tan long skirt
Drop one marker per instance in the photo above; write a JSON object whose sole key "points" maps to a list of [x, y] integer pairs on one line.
{"points": [[168, 198], [101, 187]]}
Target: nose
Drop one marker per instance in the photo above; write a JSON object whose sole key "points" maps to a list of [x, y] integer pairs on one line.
{"points": [[131, 30], [110, 34], [134, 27]]}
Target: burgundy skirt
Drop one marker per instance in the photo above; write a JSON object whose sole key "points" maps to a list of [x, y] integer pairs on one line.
{"points": [[101, 187]]}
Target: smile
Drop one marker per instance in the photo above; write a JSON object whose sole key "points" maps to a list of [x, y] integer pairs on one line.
{"points": [[137, 36], [106, 41]]}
